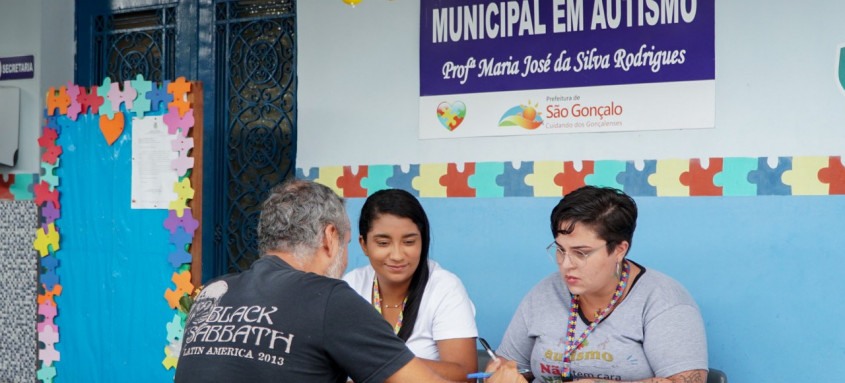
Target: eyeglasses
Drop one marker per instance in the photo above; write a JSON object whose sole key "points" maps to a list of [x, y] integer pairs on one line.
{"points": [[557, 254]]}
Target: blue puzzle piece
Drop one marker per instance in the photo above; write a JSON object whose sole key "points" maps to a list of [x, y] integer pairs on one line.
{"points": [[313, 174], [605, 173], [402, 180], [158, 95], [50, 262], [52, 122], [179, 257], [180, 238], [768, 180], [50, 279], [376, 179], [635, 182], [484, 179], [513, 180]]}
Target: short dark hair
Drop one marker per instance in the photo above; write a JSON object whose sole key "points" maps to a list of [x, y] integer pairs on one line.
{"points": [[608, 211], [402, 204]]}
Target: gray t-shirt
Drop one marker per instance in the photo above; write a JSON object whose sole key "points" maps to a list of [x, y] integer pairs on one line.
{"points": [[656, 331]]}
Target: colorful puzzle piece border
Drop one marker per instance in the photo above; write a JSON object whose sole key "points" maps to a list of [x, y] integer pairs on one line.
{"points": [[103, 101], [710, 177]]}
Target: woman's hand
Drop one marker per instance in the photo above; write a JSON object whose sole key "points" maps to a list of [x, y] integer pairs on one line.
{"points": [[504, 371]]}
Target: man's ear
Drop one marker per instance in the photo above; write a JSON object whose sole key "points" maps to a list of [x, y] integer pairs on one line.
{"points": [[331, 240]]}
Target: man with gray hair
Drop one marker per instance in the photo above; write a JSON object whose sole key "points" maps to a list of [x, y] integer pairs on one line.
{"points": [[289, 318]]}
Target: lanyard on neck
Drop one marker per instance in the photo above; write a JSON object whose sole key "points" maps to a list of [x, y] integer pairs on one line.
{"points": [[573, 344], [377, 305]]}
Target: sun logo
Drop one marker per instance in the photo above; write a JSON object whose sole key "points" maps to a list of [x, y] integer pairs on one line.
{"points": [[524, 116]]}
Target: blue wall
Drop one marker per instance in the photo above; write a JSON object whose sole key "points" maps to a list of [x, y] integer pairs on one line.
{"points": [[765, 271]]}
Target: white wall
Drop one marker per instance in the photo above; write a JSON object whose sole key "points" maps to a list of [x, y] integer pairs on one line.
{"points": [[776, 91], [45, 29]]}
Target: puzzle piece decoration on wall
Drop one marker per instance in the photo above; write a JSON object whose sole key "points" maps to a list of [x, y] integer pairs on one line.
{"points": [[176, 122], [404, 180], [57, 100], [376, 178], [667, 178], [125, 96], [543, 178], [90, 101], [159, 96], [634, 179], [46, 240], [572, 178], [328, 176], [457, 182], [700, 179], [75, 107], [768, 179], [350, 182], [312, 174], [605, 173], [180, 89], [6, 181], [427, 183], [803, 178], [186, 222], [834, 175], [513, 179], [484, 180], [141, 104], [734, 179]]}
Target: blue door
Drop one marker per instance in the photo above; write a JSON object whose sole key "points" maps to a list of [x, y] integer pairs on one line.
{"points": [[244, 53]]}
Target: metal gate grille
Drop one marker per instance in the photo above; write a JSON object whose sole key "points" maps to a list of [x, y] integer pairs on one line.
{"points": [[136, 42], [255, 44]]}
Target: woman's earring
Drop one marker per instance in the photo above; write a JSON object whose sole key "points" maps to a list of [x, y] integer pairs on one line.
{"points": [[618, 270]]}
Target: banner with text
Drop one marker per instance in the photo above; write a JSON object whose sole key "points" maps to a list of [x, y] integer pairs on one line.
{"points": [[497, 68]]}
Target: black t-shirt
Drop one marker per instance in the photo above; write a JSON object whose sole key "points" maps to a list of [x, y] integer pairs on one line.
{"points": [[273, 323]]}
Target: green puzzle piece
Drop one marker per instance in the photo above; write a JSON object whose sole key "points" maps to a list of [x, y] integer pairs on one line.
{"points": [[605, 173]]}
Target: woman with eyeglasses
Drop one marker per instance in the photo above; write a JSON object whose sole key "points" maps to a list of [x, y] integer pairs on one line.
{"points": [[601, 316], [426, 305]]}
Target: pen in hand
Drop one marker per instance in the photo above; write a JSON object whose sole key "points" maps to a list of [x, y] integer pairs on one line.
{"points": [[488, 348], [484, 375]]}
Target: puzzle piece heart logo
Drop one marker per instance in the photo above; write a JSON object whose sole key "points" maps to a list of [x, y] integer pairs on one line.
{"points": [[451, 115]]}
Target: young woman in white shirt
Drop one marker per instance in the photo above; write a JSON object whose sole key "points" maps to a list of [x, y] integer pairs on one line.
{"points": [[426, 305]]}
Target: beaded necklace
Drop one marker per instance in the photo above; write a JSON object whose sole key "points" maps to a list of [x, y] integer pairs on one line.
{"points": [[571, 343], [377, 305]]}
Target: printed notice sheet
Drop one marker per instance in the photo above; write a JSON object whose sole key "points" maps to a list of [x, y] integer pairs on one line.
{"points": [[152, 176]]}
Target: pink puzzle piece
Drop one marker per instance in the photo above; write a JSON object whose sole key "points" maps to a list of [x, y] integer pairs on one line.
{"points": [[127, 96], [48, 354], [182, 144], [48, 336], [182, 164], [173, 121], [75, 107]]}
